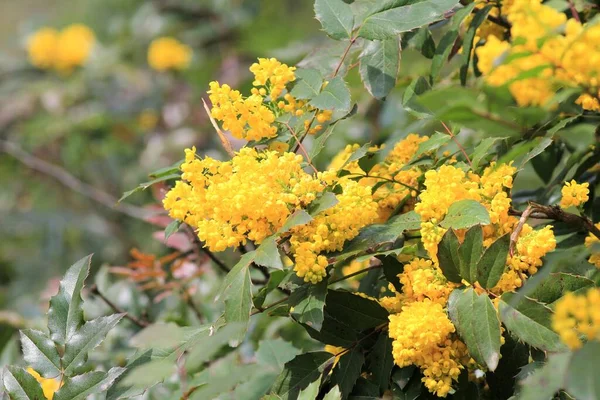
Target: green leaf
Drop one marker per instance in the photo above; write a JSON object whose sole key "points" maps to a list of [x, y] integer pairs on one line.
{"points": [[333, 394], [470, 252], [85, 340], [159, 335], [582, 374], [416, 87], [118, 391], [514, 356], [436, 141], [308, 302], [319, 143], [300, 372], [275, 279], [538, 149], [465, 214], [336, 17], [146, 185], [308, 83], [448, 256], [311, 392], [546, 381], [238, 297], [81, 386], [347, 371], [335, 96], [40, 353], [172, 228], [267, 254], [477, 323], [65, 315], [274, 353], [493, 262], [390, 18], [299, 217], [381, 361], [530, 321], [355, 311], [172, 169], [20, 385], [324, 202], [444, 47], [379, 66], [481, 151], [477, 20], [374, 236], [557, 284]]}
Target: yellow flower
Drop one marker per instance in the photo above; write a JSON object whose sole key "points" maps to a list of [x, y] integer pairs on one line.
{"points": [[75, 44], [167, 53], [421, 280], [422, 335], [590, 241], [577, 318], [273, 74], [42, 47], [574, 194], [49, 385]]}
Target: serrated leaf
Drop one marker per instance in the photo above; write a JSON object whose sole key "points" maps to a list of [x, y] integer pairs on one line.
{"points": [[379, 66], [492, 263], [275, 279], [444, 47], [299, 217], [390, 18], [477, 20], [146, 185], [274, 353], [417, 86], [118, 391], [65, 314], [448, 256], [582, 375], [530, 321], [335, 96], [356, 311], [238, 295], [347, 371], [86, 339], [20, 385], [319, 143], [170, 170], [40, 353], [308, 84], [547, 380], [324, 202], [465, 214], [301, 372], [336, 17], [477, 324], [482, 150], [381, 361], [81, 386], [311, 392], [557, 284], [267, 254], [308, 302], [538, 149], [436, 141], [470, 252]]}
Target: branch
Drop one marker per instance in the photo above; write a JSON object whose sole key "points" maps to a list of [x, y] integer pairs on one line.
{"points": [[142, 323], [555, 213], [515, 235], [339, 66], [71, 182], [453, 137]]}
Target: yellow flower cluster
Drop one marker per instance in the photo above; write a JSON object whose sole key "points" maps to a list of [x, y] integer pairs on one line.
{"points": [[62, 51], [331, 228], [246, 198], [574, 194], [547, 52], [423, 336], [167, 53], [49, 385], [577, 318], [592, 240], [421, 280], [273, 75]]}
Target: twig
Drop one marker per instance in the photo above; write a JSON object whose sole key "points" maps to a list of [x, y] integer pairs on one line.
{"points": [[453, 137], [343, 278], [142, 323], [387, 179], [301, 147], [68, 180], [499, 21], [339, 66], [574, 12], [556, 213], [515, 235]]}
